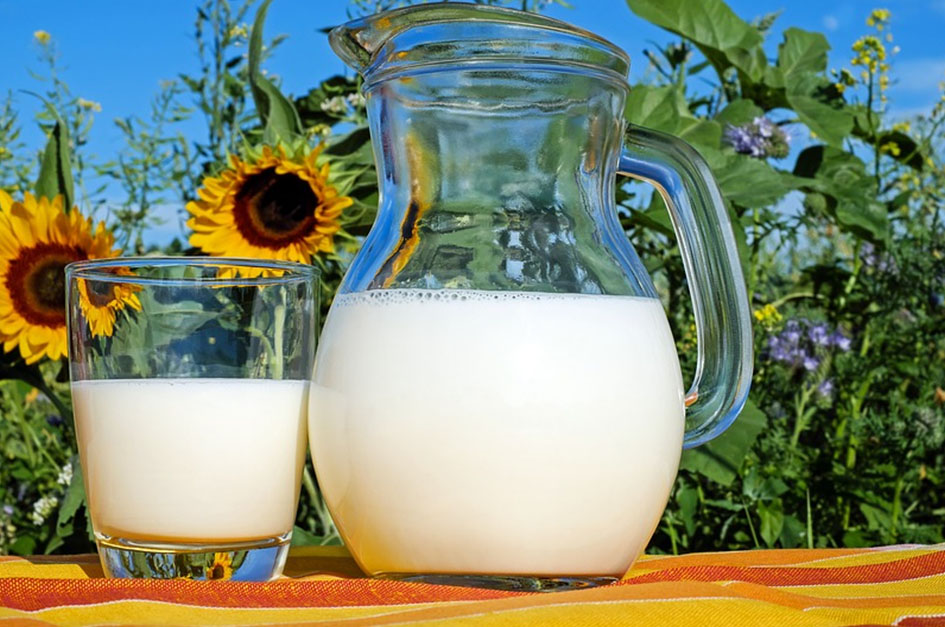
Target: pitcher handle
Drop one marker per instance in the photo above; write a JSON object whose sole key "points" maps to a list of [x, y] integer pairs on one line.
{"points": [[716, 284]]}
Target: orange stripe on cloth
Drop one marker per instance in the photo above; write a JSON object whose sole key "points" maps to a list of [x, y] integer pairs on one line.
{"points": [[34, 594], [758, 557], [893, 570]]}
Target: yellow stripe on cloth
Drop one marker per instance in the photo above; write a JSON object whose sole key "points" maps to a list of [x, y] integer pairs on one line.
{"points": [[323, 586]]}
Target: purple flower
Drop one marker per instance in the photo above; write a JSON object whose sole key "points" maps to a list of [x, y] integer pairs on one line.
{"points": [[825, 389], [777, 350], [841, 341], [764, 127], [53, 420], [792, 332], [818, 335], [8, 510], [760, 138], [804, 344], [876, 260], [745, 142]]}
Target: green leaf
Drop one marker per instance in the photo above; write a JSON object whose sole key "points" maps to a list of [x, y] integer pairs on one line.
{"points": [[700, 133], [829, 123], [773, 77], [656, 216], [55, 169], [723, 37], [866, 219], [721, 459], [24, 545], [793, 532], [654, 107], [747, 182], [278, 115], [688, 499], [73, 499], [665, 109], [837, 182], [739, 112], [801, 52], [301, 537], [771, 514]]}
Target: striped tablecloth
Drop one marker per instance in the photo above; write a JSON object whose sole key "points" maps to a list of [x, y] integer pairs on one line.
{"points": [[900, 585]]}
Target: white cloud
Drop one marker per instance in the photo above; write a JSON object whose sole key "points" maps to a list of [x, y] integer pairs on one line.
{"points": [[831, 22]]}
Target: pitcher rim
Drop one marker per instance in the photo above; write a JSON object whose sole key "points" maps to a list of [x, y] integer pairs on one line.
{"points": [[358, 42]]}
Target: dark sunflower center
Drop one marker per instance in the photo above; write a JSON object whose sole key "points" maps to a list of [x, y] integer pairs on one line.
{"points": [[36, 283], [100, 293], [273, 210]]}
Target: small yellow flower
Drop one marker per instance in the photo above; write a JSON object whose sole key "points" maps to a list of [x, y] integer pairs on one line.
{"points": [[902, 127], [878, 18], [89, 105], [768, 316], [42, 37], [891, 148]]}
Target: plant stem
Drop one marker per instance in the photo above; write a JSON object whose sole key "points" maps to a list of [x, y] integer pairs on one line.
{"points": [[801, 413], [810, 523], [751, 525], [896, 506], [309, 482], [279, 332]]}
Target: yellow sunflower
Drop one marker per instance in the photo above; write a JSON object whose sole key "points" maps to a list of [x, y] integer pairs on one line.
{"points": [[37, 240], [270, 208], [221, 568]]}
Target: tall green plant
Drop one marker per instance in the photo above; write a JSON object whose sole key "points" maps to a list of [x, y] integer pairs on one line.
{"points": [[840, 443]]}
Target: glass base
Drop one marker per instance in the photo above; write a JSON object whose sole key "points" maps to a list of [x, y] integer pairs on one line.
{"points": [[258, 560], [504, 582]]}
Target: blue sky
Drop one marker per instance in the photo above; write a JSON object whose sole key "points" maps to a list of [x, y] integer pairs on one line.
{"points": [[116, 53]]}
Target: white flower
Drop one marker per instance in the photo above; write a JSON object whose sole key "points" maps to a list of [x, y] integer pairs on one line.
{"points": [[65, 475], [43, 508], [355, 100], [337, 105]]}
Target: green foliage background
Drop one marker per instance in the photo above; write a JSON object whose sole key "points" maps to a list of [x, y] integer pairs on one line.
{"points": [[843, 234]]}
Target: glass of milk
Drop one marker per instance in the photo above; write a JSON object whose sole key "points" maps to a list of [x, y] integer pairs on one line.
{"points": [[190, 393]]}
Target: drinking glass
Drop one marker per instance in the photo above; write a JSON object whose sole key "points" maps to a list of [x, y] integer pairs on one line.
{"points": [[190, 393]]}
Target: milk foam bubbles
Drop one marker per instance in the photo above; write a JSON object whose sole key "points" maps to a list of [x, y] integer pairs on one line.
{"points": [[192, 460], [491, 432]]}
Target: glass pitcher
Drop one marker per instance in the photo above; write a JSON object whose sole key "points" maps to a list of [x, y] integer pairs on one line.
{"points": [[497, 399]]}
